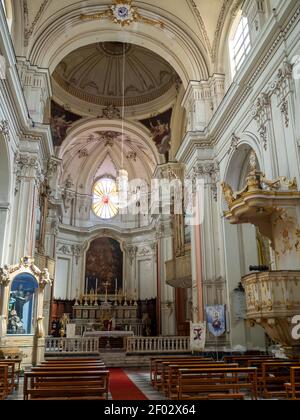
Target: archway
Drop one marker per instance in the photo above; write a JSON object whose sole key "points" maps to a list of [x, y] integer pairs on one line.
{"points": [[183, 52]]}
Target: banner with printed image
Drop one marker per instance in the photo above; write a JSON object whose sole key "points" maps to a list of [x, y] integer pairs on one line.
{"points": [[198, 336], [216, 319]]}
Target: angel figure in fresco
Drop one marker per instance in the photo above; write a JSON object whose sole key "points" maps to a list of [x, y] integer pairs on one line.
{"points": [[161, 135], [59, 126]]}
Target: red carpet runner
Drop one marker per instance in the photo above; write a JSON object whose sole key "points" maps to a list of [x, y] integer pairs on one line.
{"points": [[122, 388]]}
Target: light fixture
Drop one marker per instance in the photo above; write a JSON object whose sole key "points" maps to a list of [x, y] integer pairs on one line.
{"points": [[122, 180]]}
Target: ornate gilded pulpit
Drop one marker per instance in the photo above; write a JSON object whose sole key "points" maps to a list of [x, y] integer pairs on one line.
{"points": [[273, 298]]}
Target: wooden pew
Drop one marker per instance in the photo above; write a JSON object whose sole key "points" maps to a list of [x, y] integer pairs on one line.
{"points": [[11, 374], [71, 384], [4, 382], [157, 364], [164, 376], [74, 359], [217, 383], [15, 370], [293, 387], [274, 377], [170, 388]]}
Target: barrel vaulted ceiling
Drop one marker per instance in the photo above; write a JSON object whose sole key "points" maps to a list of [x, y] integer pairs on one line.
{"points": [[204, 20]]}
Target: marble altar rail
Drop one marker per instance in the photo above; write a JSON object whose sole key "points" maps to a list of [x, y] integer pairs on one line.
{"points": [[136, 345], [72, 345], [133, 345]]}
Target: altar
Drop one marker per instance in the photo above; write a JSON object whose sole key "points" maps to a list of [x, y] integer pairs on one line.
{"points": [[110, 340], [120, 319]]}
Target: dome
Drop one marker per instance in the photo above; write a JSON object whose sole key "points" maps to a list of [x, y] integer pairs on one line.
{"points": [[94, 73]]}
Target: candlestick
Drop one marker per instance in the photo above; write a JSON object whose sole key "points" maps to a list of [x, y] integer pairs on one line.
{"points": [[86, 286]]}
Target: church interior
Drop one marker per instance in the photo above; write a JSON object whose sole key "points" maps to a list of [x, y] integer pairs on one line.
{"points": [[149, 200]]}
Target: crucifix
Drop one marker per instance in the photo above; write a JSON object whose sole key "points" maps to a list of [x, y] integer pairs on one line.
{"points": [[123, 13], [106, 285]]}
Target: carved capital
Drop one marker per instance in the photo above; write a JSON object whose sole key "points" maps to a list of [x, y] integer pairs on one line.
{"points": [[210, 172], [4, 129], [27, 165], [131, 252], [4, 276]]}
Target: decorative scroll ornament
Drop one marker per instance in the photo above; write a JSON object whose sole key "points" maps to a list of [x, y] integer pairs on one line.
{"points": [[27, 263], [4, 276], [257, 181], [123, 13], [45, 278]]}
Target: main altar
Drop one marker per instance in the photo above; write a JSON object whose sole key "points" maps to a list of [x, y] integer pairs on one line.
{"points": [[94, 317]]}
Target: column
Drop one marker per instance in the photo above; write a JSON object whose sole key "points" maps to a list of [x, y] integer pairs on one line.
{"points": [[28, 174], [4, 220]]}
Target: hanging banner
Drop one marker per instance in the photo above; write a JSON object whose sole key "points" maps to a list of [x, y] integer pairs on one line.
{"points": [[198, 336], [216, 320]]}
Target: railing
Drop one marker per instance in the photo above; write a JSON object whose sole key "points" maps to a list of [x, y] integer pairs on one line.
{"points": [[72, 345], [138, 345]]}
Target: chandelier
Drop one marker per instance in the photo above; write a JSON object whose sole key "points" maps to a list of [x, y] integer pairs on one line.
{"points": [[122, 180]]}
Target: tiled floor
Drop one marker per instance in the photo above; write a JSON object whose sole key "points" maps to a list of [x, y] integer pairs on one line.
{"points": [[141, 379]]}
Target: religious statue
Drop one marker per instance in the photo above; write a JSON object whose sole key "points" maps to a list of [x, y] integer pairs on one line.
{"points": [[228, 193], [15, 324]]}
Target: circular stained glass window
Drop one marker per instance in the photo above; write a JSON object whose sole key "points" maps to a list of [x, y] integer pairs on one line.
{"points": [[105, 198]]}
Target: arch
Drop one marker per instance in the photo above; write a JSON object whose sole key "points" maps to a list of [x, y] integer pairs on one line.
{"points": [[84, 170], [174, 43], [222, 62], [237, 160]]}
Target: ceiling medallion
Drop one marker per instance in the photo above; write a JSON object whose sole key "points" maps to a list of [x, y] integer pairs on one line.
{"points": [[123, 13]]}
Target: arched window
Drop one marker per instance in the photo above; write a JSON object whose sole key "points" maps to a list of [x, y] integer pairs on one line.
{"points": [[239, 42], [105, 198]]}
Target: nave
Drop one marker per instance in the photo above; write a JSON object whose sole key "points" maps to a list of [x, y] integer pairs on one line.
{"points": [[149, 199], [235, 377]]}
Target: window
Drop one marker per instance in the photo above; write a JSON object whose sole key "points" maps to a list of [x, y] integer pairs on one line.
{"points": [[105, 198], [240, 43]]}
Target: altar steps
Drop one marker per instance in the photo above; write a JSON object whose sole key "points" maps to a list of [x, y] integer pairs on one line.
{"points": [[122, 360]]}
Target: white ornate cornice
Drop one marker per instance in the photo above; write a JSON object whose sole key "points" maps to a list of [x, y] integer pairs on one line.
{"points": [[29, 30]]}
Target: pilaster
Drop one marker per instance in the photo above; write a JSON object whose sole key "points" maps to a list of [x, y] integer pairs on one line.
{"points": [[201, 100], [36, 85]]}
